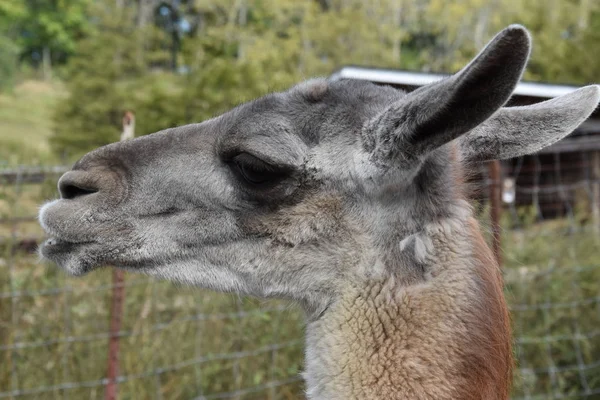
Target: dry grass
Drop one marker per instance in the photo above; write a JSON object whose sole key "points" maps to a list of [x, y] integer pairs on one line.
{"points": [[176, 342], [553, 285], [26, 123]]}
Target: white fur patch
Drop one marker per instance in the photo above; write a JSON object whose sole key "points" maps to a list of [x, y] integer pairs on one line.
{"points": [[421, 243], [42, 213]]}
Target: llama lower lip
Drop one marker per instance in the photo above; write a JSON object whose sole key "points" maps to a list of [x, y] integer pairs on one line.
{"points": [[56, 245], [57, 242], [76, 258]]}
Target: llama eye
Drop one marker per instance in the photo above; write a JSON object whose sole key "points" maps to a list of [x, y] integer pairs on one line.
{"points": [[255, 171]]}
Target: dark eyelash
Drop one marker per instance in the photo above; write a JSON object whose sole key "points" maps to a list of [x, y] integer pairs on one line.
{"points": [[253, 163], [256, 172]]}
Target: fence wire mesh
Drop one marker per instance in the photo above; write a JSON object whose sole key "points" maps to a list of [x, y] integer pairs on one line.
{"points": [[177, 342], [552, 271]]}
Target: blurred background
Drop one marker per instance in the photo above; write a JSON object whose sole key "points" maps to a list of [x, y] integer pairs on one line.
{"points": [[76, 74]]}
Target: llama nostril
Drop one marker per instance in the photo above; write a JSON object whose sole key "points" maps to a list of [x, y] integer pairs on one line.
{"points": [[72, 191], [70, 187]]}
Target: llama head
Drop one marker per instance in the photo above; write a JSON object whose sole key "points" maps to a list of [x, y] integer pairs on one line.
{"points": [[300, 193]]}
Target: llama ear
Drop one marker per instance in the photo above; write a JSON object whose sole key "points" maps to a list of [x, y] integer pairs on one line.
{"points": [[438, 113], [517, 131]]}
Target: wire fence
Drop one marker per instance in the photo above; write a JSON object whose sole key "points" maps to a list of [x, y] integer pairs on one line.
{"points": [[553, 274], [177, 342]]}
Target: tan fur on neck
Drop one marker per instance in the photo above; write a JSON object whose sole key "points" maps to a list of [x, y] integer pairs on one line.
{"points": [[445, 338]]}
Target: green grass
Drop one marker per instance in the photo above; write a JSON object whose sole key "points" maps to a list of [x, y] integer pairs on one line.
{"points": [[553, 286], [176, 342], [26, 123]]}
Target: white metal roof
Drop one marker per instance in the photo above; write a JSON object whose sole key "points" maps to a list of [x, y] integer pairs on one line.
{"points": [[397, 77]]}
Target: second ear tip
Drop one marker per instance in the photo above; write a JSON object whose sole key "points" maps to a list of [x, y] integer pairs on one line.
{"points": [[595, 92], [519, 27], [518, 30], [585, 98], [592, 91], [513, 41]]}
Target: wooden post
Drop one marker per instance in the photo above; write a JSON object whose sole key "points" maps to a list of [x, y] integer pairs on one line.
{"points": [[118, 297], [128, 126], [495, 176], [116, 314]]}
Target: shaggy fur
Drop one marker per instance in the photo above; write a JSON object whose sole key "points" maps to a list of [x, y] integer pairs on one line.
{"points": [[445, 338], [343, 196]]}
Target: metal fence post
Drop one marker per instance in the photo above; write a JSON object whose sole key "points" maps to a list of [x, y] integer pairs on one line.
{"points": [[116, 314], [118, 296]]}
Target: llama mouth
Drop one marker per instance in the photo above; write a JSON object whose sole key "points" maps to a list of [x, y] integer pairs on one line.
{"points": [[55, 241], [66, 254], [54, 246]]}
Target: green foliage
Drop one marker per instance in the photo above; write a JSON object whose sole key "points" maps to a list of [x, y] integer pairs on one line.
{"points": [[53, 26], [109, 72], [9, 54], [10, 13], [552, 276], [243, 49], [565, 34], [234, 56]]}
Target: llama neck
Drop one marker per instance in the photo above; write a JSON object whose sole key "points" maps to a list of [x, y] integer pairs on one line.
{"points": [[446, 337]]}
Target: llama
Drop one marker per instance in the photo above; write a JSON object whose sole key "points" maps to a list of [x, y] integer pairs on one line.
{"points": [[343, 196]]}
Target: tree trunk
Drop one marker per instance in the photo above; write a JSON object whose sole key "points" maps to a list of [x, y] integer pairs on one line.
{"points": [[481, 27], [397, 15], [145, 11], [47, 63], [242, 21], [584, 14]]}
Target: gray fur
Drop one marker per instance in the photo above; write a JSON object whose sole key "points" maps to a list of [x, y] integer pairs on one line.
{"points": [[433, 115], [517, 131], [172, 205]]}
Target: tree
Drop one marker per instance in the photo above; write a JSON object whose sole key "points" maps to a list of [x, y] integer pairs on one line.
{"points": [[563, 33], [103, 77], [229, 51], [50, 30], [11, 13]]}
